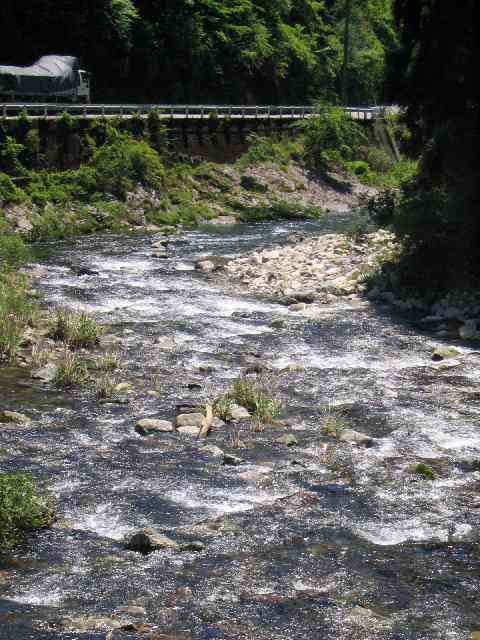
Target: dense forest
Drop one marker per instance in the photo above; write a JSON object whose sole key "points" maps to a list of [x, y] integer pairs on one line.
{"points": [[437, 214], [237, 51]]}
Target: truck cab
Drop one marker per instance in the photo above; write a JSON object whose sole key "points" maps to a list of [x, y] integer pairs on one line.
{"points": [[83, 88]]}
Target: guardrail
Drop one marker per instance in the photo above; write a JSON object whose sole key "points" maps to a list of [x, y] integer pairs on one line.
{"points": [[182, 112]]}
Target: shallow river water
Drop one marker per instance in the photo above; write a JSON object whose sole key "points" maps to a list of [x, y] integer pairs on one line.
{"points": [[299, 542]]}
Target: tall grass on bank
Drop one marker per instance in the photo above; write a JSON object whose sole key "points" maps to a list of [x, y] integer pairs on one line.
{"points": [[16, 311], [21, 509]]}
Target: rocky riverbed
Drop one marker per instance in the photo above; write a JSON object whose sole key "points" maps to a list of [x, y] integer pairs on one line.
{"points": [[353, 515]]}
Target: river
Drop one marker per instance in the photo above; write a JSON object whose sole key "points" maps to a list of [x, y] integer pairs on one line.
{"points": [[299, 542]]}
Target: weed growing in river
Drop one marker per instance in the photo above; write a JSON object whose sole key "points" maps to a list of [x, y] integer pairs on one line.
{"points": [[109, 361], [423, 470], [71, 370], [40, 355], [105, 387], [258, 395], [21, 509], [76, 330], [222, 407], [333, 423]]}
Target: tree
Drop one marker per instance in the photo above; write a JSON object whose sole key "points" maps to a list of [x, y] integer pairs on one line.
{"points": [[439, 214]]}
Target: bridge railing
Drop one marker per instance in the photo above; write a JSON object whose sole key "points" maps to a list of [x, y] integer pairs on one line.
{"points": [[53, 110]]}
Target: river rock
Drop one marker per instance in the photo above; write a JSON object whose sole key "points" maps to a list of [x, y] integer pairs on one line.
{"points": [[123, 387], [134, 610], [207, 266], [92, 623], [14, 417], [149, 540], [223, 220], [232, 460], [211, 451], [301, 295], [160, 244], [195, 545], [190, 420], [46, 373], [189, 430], [238, 413], [354, 437], [150, 426], [160, 253], [288, 439], [297, 306], [443, 353], [468, 330]]}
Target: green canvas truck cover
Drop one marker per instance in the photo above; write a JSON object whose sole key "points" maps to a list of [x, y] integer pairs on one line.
{"points": [[49, 75]]}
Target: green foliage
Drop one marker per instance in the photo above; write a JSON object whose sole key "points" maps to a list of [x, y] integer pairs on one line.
{"points": [[21, 509], [16, 312], [13, 250], [76, 330], [124, 163], [9, 192], [437, 216], [263, 149], [267, 51], [330, 138], [10, 152], [423, 470]]}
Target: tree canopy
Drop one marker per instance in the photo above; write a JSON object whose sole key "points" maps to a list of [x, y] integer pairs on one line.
{"points": [[207, 50]]}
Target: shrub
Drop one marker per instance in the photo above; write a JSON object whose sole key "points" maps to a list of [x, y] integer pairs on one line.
{"points": [[21, 509], [9, 192], [124, 163], [269, 149], [330, 138], [13, 250], [361, 169], [76, 330]]}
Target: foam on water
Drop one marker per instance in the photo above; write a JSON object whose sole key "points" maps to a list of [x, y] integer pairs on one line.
{"points": [[219, 502]]}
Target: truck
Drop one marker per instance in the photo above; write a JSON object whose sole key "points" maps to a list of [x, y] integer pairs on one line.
{"points": [[52, 77]]}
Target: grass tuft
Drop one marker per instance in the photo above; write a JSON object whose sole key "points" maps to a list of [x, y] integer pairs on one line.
{"points": [[76, 330]]}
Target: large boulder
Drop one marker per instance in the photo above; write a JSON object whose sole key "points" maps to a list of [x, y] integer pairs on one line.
{"points": [[444, 353], [14, 417], [354, 437], [46, 373], [151, 426], [148, 540], [238, 413], [190, 420]]}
